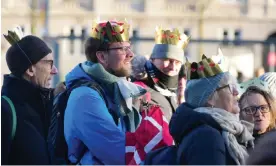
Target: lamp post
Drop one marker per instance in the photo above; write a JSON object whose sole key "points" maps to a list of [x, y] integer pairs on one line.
{"points": [[44, 16], [33, 16], [201, 27], [46, 19], [202, 5]]}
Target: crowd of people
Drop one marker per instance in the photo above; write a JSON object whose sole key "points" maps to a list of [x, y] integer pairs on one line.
{"points": [[120, 109]]}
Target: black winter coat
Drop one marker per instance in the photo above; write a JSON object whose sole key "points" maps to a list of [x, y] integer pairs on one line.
{"points": [[33, 106], [200, 136], [264, 152]]}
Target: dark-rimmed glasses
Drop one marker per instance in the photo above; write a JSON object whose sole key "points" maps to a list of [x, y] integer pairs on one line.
{"points": [[231, 87], [251, 110], [125, 49], [51, 62]]}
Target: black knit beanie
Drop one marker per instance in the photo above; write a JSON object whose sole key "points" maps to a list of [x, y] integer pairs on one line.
{"points": [[26, 52]]}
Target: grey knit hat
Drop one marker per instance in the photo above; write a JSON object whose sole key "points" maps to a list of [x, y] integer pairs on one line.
{"points": [[270, 79], [198, 91], [166, 51]]}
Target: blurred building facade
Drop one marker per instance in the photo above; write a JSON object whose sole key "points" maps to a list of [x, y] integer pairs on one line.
{"points": [[202, 19]]}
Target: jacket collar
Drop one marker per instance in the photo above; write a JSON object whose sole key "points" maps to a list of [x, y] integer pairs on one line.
{"points": [[185, 119], [23, 91]]}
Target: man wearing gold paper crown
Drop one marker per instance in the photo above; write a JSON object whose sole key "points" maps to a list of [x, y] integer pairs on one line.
{"points": [[100, 111], [214, 135], [160, 74]]}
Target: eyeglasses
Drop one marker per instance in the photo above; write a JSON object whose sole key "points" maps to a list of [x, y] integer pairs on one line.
{"points": [[51, 62], [251, 110], [232, 88], [124, 49]]}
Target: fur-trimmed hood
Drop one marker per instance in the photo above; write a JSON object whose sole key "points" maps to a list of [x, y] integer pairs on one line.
{"points": [[138, 67]]}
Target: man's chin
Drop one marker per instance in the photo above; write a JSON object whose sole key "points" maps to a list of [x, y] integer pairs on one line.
{"points": [[171, 74], [48, 84], [121, 72], [236, 110]]}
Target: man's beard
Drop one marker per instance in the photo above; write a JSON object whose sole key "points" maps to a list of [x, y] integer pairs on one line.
{"points": [[121, 72]]}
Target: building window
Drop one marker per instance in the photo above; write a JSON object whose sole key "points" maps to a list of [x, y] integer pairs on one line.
{"points": [[225, 37], [83, 37], [72, 38], [237, 35], [138, 5], [244, 7], [187, 32], [186, 50], [225, 34]]}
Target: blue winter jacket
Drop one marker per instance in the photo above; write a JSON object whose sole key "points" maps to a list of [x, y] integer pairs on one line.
{"points": [[200, 136], [87, 119]]}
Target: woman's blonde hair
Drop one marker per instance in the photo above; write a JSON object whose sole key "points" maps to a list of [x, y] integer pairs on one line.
{"points": [[269, 99]]}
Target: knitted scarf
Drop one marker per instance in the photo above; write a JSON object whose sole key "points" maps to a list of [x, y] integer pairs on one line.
{"points": [[120, 90], [234, 132], [156, 79]]}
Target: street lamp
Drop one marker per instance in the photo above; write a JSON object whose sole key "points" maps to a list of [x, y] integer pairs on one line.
{"points": [[202, 5], [33, 16]]}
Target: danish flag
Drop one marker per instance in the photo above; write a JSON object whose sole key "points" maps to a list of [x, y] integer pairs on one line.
{"points": [[153, 133]]}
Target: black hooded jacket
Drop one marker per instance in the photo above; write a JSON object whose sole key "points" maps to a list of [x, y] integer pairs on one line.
{"points": [[264, 152], [200, 136], [33, 106]]}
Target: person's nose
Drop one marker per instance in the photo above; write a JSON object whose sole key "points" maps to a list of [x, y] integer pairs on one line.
{"points": [[235, 92], [172, 65], [129, 54], [54, 70], [257, 113]]}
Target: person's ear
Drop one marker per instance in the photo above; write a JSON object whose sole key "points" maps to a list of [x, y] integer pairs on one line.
{"points": [[101, 57], [30, 72], [211, 102]]}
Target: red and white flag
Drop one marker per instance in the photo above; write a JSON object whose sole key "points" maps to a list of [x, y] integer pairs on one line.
{"points": [[153, 133]]}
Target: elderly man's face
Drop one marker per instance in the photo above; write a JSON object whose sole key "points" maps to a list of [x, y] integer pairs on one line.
{"points": [[169, 67], [43, 71]]}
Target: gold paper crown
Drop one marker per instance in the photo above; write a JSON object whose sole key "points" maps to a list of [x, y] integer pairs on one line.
{"points": [[171, 37], [110, 31], [205, 68], [14, 35]]}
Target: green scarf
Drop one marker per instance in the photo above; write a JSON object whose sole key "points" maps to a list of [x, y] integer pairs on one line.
{"points": [[122, 92]]}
